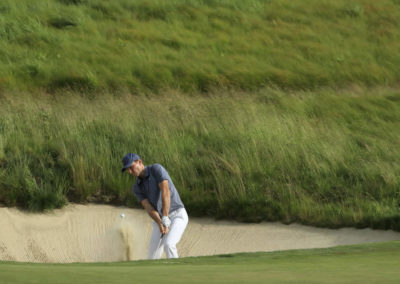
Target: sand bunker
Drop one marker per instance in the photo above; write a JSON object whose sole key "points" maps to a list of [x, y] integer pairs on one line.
{"points": [[96, 233]]}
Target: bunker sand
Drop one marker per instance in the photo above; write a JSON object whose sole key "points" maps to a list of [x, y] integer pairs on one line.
{"points": [[96, 233]]}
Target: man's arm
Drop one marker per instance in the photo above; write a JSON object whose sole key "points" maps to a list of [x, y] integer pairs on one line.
{"points": [[154, 215], [165, 197]]}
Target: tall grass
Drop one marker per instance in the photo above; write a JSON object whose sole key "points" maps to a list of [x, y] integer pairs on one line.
{"points": [[327, 157], [148, 46]]}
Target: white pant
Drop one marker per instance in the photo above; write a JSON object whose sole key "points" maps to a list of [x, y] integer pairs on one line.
{"points": [[158, 244]]}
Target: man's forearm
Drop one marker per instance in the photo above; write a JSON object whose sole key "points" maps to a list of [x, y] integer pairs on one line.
{"points": [[154, 215], [166, 205], [151, 211], [165, 197]]}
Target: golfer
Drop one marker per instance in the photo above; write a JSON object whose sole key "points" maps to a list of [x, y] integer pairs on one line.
{"points": [[156, 192]]}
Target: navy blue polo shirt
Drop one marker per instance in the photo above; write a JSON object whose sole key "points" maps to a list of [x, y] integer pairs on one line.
{"points": [[147, 188]]}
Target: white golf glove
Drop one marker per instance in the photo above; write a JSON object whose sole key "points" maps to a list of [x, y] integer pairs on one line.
{"points": [[166, 221]]}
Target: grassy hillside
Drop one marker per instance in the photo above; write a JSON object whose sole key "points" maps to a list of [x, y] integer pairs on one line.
{"points": [[141, 46], [327, 158], [261, 110], [369, 263]]}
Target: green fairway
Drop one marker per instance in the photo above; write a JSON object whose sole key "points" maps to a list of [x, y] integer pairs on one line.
{"points": [[369, 263]]}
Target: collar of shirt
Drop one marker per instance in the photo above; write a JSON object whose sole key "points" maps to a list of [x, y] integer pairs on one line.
{"points": [[146, 175]]}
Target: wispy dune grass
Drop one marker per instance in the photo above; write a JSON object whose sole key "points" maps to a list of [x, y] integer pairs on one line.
{"points": [[326, 157]]}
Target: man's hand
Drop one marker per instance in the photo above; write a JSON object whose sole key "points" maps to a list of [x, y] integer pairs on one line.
{"points": [[163, 230], [165, 225], [166, 221]]}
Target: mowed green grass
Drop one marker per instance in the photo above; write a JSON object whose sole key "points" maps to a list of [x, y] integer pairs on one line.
{"points": [[368, 263]]}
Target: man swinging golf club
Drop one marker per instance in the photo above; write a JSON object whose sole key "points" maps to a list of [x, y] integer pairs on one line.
{"points": [[156, 192]]}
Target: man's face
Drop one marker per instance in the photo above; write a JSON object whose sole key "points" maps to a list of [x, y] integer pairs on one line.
{"points": [[136, 168]]}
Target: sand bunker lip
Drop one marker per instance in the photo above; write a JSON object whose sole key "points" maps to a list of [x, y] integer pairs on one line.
{"points": [[97, 233]]}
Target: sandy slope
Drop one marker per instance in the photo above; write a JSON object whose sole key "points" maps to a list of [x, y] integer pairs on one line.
{"points": [[90, 233]]}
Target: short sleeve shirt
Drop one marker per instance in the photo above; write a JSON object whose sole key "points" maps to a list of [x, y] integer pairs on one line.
{"points": [[147, 188]]}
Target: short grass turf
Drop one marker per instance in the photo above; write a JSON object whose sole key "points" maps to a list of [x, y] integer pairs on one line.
{"points": [[367, 263]]}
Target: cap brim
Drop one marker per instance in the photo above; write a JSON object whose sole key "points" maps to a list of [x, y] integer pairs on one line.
{"points": [[128, 165]]}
